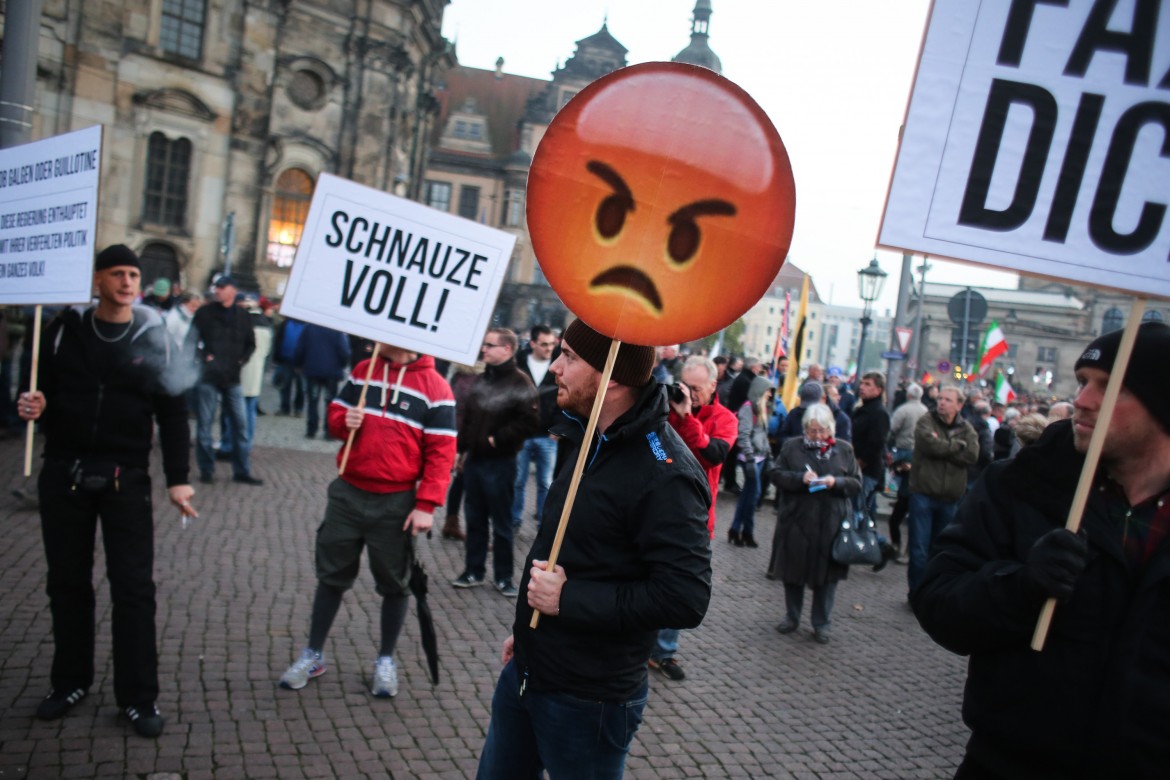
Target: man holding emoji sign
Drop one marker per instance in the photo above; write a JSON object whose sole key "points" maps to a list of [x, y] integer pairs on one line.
{"points": [[651, 187]]}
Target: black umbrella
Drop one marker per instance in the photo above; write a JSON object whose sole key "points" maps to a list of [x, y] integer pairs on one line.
{"points": [[426, 622]]}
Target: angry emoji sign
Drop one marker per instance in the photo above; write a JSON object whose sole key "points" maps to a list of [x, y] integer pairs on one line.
{"points": [[661, 203]]}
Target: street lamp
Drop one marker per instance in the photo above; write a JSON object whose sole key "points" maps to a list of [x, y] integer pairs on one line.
{"points": [[870, 281]]}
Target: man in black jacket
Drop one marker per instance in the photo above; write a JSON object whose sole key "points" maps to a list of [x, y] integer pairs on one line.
{"points": [[103, 384], [226, 341], [871, 428], [540, 449], [636, 558], [1095, 702], [501, 413]]}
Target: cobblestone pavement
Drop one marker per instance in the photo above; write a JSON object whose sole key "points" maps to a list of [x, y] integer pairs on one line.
{"points": [[880, 701]]}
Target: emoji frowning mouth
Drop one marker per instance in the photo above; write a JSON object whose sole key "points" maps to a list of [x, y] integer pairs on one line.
{"points": [[632, 281]]}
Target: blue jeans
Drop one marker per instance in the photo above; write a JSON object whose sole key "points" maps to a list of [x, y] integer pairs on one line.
{"points": [[928, 517], [318, 387], [745, 508], [227, 432], [666, 645], [207, 396], [487, 490], [567, 736], [866, 500], [288, 379], [542, 450]]}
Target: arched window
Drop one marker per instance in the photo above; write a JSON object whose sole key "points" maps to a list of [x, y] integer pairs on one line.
{"points": [[1113, 320], [290, 208], [159, 261], [1152, 316], [168, 171]]}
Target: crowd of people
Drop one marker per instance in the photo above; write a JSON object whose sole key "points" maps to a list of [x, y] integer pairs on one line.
{"points": [[981, 487]]}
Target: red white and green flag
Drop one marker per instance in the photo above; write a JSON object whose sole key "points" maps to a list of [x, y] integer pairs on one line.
{"points": [[1003, 390], [990, 349]]}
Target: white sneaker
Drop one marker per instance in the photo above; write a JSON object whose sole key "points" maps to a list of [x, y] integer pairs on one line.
{"points": [[311, 664], [385, 678]]}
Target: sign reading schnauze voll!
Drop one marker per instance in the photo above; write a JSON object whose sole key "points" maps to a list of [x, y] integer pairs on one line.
{"points": [[1038, 139], [48, 215], [397, 272]]}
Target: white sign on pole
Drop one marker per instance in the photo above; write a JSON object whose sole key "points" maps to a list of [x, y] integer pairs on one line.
{"points": [[395, 271], [904, 335], [48, 218], [1038, 140]]}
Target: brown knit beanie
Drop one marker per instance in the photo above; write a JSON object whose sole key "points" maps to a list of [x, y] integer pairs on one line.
{"points": [[633, 365]]}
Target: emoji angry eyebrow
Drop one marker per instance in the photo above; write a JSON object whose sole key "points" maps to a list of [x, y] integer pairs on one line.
{"points": [[610, 177], [701, 207]]}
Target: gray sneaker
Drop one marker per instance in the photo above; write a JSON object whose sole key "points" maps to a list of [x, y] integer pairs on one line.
{"points": [[311, 664], [385, 684], [506, 589]]}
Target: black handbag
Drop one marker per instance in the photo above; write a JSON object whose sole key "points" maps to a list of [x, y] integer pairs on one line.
{"points": [[856, 542]]}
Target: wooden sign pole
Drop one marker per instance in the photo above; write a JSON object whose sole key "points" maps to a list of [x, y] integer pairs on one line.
{"points": [[1093, 456], [362, 406], [579, 466], [32, 388]]}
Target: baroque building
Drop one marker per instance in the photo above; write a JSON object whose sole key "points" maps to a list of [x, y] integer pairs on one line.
{"points": [[219, 115], [481, 147]]}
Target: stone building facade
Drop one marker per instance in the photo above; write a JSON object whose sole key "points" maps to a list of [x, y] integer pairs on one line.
{"points": [[219, 112]]}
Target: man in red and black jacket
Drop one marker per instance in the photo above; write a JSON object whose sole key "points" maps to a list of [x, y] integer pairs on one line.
{"points": [[396, 474]]}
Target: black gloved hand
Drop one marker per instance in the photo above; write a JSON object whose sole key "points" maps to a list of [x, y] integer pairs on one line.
{"points": [[1054, 563]]}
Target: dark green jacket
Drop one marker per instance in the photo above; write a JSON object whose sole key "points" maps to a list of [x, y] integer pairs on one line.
{"points": [[942, 454]]}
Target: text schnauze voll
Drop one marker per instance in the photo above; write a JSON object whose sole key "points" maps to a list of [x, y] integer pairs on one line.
{"points": [[1137, 47], [402, 296]]}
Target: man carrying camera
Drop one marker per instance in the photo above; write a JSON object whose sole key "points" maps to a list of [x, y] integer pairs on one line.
{"points": [[709, 430], [103, 386]]}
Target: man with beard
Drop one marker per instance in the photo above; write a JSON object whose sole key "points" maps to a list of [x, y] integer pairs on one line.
{"points": [[1095, 702], [636, 558]]}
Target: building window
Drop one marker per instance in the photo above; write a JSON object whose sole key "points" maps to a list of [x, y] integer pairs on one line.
{"points": [[439, 195], [1113, 320], [290, 209], [514, 208], [1046, 354], [182, 27], [469, 202], [168, 169], [1153, 315], [159, 261]]}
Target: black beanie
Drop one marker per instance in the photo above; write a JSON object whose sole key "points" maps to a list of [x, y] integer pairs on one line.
{"points": [[1148, 374], [118, 254], [633, 365]]}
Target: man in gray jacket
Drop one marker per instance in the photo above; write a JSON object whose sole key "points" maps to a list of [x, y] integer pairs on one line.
{"points": [[944, 446]]}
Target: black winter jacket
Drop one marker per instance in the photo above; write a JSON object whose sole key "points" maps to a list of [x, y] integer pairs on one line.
{"points": [[546, 390], [871, 428], [1095, 703], [501, 404], [226, 341], [636, 553], [102, 399]]}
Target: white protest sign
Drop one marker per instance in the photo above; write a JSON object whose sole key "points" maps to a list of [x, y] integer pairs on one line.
{"points": [[1038, 140], [48, 218], [397, 272]]}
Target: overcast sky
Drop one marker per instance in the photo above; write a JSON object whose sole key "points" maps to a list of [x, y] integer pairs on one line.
{"points": [[833, 75]]}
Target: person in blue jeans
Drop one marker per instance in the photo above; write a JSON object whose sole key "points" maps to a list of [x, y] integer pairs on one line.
{"points": [[322, 355], [944, 446], [753, 444], [542, 448]]}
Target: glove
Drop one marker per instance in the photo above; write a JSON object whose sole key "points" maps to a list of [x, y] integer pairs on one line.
{"points": [[1054, 563]]}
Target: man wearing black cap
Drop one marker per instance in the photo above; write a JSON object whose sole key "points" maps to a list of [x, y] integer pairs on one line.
{"points": [[226, 341], [1096, 701], [105, 381], [636, 558]]}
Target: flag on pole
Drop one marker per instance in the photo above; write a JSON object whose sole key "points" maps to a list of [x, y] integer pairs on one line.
{"points": [[791, 380], [781, 348], [990, 349], [1003, 390]]}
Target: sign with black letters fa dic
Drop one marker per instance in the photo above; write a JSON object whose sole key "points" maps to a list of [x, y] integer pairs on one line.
{"points": [[1038, 140], [48, 217], [395, 271]]}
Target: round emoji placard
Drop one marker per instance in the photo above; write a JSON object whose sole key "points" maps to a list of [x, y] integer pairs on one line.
{"points": [[660, 203]]}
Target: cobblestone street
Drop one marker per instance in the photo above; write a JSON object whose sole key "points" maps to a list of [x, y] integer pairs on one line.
{"points": [[880, 701]]}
